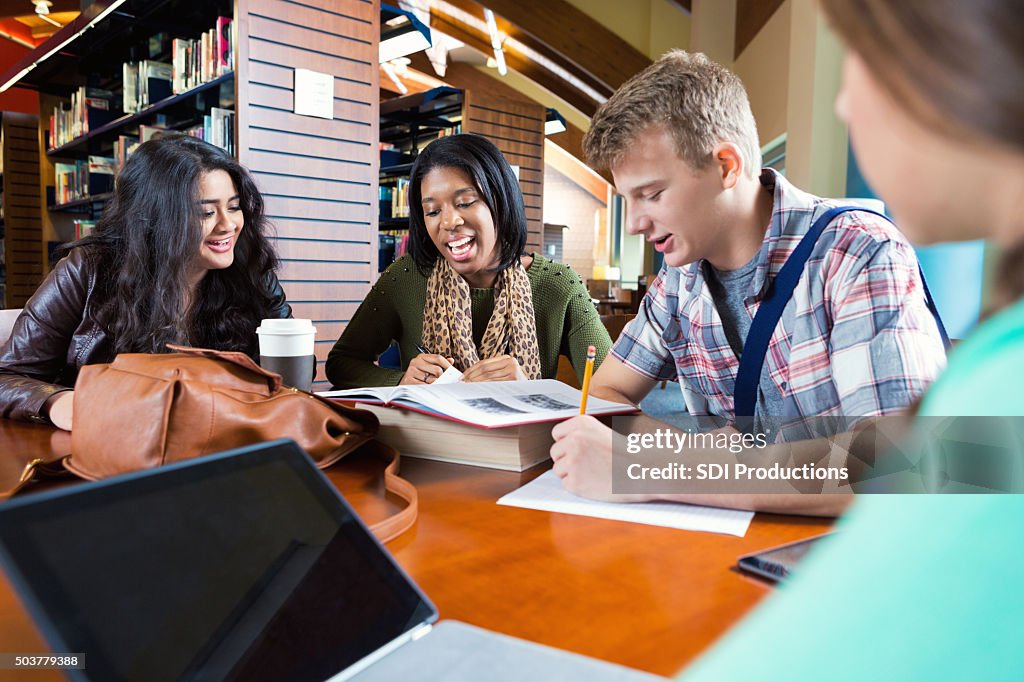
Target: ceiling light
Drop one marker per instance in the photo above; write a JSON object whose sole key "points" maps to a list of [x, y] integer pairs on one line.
{"points": [[554, 122], [60, 46], [389, 70], [492, 30], [401, 33]]}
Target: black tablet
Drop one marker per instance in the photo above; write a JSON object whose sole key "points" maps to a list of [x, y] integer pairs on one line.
{"points": [[776, 563]]}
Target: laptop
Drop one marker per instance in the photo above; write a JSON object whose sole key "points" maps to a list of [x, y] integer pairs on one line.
{"points": [[246, 565]]}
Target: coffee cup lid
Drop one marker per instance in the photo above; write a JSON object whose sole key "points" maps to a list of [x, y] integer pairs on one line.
{"points": [[286, 326]]}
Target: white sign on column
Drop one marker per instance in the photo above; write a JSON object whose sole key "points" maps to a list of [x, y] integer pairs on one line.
{"points": [[314, 94]]}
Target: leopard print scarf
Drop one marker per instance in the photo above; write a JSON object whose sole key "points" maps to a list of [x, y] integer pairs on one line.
{"points": [[448, 319]]}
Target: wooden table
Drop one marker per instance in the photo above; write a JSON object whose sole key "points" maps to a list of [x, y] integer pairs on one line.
{"points": [[646, 597]]}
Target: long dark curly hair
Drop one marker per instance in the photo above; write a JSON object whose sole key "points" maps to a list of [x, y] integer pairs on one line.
{"points": [[149, 236]]}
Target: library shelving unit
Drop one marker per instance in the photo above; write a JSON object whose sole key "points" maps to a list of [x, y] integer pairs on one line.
{"points": [[409, 123], [318, 176]]}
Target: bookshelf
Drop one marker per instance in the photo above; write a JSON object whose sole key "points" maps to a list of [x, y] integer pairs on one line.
{"points": [[318, 176], [409, 123], [79, 145]]}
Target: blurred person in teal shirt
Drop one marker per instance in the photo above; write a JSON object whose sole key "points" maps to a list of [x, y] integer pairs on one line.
{"points": [[923, 586]]}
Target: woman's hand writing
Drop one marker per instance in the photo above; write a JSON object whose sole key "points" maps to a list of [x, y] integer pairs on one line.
{"points": [[425, 368]]}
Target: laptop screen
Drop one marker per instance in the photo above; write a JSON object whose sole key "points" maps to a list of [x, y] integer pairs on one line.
{"points": [[246, 565]]}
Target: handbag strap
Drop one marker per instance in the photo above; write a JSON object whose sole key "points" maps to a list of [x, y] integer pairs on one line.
{"points": [[399, 522], [35, 470], [780, 290], [39, 469]]}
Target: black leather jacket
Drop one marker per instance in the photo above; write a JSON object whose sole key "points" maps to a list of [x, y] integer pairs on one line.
{"points": [[56, 334]]}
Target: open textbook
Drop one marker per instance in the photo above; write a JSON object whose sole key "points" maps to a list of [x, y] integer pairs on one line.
{"points": [[492, 404]]}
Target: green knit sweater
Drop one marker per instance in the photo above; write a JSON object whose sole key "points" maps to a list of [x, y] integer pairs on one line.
{"points": [[567, 323]]}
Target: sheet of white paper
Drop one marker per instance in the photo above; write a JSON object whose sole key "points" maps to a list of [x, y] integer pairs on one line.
{"points": [[547, 494], [450, 376]]}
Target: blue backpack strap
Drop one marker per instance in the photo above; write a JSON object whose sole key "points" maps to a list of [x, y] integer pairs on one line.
{"points": [[780, 290]]}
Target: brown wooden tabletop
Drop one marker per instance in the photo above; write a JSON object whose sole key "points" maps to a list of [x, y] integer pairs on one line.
{"points": [[647, 597]]}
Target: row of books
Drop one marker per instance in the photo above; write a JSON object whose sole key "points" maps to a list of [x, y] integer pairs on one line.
{"points": [[197, 61], [396, 199], [144, 83], [218, 129], [422, 142], [84, 228], [89, 107], [83, 179], [124, 145], [391, 245], [147, 82]]}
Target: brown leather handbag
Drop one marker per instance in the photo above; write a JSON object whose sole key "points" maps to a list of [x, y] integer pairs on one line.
{"points": [[146, 410]]}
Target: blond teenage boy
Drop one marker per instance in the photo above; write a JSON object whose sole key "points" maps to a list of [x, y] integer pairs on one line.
{"points": [[855, 338]]}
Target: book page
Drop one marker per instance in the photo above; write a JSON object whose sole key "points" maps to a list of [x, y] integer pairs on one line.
{"points": [[505, 403], [547, 494], [379, 394]]}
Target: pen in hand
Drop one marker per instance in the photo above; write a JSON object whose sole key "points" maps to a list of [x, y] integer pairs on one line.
{"points": [[423, 351], [587, 373]]}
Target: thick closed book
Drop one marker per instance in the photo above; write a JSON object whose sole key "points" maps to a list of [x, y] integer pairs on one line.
{"points": [[488, 405], [417, 434], [512, 448]]}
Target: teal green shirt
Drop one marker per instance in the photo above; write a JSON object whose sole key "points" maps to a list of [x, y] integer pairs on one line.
{"points": [[985, 372], [912, 587]]}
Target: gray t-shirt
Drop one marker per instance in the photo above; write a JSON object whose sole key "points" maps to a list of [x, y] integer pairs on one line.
{"points": [[728, 291]]}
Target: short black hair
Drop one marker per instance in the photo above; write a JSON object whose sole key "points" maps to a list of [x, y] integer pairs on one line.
{"points": [[494, 180]]}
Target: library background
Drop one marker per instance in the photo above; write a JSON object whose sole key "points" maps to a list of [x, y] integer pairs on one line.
{"points": [[328, 103]]}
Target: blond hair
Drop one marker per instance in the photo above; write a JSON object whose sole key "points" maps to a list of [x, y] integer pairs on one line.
{"points": [[699, 102]]}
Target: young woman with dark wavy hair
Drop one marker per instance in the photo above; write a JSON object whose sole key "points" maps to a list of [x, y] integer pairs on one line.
{"points": [[180, 255]]}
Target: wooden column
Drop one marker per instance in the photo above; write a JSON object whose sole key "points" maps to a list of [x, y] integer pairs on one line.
{"points": [[319, 177], [517, 129], [22, 207]]}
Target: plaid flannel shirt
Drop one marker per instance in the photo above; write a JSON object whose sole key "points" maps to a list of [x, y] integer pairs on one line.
{"points": [[855, 340]]}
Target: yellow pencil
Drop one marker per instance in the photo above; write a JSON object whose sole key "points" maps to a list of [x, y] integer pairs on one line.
{"points": [[591, 352]]}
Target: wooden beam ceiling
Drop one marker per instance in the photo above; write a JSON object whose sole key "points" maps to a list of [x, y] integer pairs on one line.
{"points": [[468, 77], [577, 38], [517, 61], [550, 42], [751, 16]]}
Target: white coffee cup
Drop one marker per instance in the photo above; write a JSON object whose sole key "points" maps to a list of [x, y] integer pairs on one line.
{"points": [[287, 347]]}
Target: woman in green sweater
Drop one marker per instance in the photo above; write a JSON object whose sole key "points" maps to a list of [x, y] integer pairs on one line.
{"points": [[466, 294]]}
